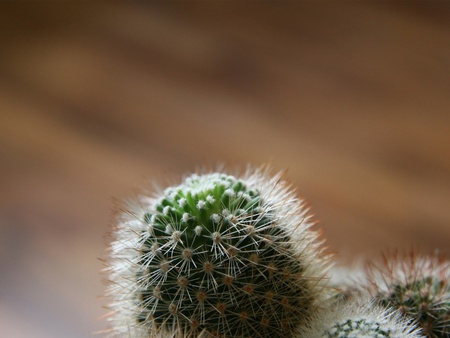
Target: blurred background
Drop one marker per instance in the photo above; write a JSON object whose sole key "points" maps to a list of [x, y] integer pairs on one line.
{"points": [[99, 98]]}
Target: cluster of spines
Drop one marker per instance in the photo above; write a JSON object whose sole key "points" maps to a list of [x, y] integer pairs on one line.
{"points": [[221, 256], [418, 287]]}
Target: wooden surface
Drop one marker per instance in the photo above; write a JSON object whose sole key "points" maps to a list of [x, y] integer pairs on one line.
{"points": [[352, 98]]}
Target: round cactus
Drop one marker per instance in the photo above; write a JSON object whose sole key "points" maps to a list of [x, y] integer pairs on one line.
{"points": [[418, 287], [216, 256], [359, 319]]}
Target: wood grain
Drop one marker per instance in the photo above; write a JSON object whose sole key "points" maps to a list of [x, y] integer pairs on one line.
{"points": [[96, 99]]}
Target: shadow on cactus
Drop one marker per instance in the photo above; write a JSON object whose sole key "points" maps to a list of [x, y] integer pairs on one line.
{"points": [[418, 287], [218, 256]]}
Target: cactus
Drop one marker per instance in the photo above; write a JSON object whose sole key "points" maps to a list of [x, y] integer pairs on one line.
{"points": [[418, 287], [216, 256], [359, 319]]}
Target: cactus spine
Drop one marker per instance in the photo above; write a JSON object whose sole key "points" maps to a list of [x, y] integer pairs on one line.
{"points": [[216, 256]]}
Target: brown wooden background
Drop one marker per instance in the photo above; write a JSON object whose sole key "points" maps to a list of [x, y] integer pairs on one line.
{"points": [[353, 98]]}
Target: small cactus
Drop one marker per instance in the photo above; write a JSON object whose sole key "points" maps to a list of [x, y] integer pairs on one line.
{"points": [[358, 319], [216, 256], [418, 287]]}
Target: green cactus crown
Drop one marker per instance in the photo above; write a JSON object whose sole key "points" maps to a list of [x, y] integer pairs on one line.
{"points": [[206, 210]]}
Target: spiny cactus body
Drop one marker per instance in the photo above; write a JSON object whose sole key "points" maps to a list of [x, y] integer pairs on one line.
{"points": [[358, 319], [216, 255], [418, 287]]}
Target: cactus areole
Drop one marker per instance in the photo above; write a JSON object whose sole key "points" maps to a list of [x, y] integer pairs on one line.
{"points": [[218, 255]]}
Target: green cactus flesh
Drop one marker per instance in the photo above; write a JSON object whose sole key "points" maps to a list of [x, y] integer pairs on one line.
{"points": [[215, 259], [426, 300], [362, 328]]}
